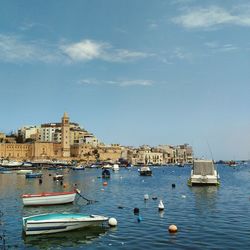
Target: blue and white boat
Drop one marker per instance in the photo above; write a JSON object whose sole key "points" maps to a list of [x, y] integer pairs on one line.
{"points": [[78, 167], [59, 222], [33, 175]]}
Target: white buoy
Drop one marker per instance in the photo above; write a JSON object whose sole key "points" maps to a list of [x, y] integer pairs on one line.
{"points": [[146, 196], [161, 206], [112, 222]]}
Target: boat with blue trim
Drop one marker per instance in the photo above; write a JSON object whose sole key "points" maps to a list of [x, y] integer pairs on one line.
{"points": [[59, 222]]}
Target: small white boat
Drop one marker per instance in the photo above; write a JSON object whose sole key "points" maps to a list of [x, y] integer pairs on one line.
{"points": [[116, 167], [78, 167], [107, 166], [6, 163], [52, 198], [59, 222], [24, 171], [58, 177], [145, 171]]}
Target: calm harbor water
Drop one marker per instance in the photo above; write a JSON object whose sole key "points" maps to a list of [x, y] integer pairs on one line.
{"points": [[207, 217]]}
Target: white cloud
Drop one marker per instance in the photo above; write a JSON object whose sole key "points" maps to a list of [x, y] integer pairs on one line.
{"points": [[181, 54], [212, 17], [16, 49], [87, 50], [121, 83], [217, 47], [13, 49]]}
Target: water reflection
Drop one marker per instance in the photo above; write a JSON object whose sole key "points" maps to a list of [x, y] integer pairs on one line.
{"points": [[205, 197], [70, 239]]}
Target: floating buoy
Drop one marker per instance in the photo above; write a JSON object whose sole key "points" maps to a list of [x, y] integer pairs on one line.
{"points": [[64, 185], [183, 196], [120, 207], [139, 219], [105, 183], [161, 206], [102, 189], [173, 185], [112, 222], [136, 210], [172, 229], [154, 198], [146, 196]]}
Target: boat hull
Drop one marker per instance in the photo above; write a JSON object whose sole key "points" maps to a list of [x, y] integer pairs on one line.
{"points": [[46, 199], [24, 171], [32, 226]]}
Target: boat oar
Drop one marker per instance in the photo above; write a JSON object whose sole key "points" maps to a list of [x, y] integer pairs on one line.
{"points": [[88, 200]]}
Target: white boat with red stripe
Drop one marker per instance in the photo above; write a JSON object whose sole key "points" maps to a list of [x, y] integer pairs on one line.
{"points": [[49, 198]]}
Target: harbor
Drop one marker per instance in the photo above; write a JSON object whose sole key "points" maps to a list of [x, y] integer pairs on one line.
{"points": [[207, 217]]}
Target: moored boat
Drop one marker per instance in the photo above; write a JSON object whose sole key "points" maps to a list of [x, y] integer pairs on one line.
{"points": [[49, 198], [58, 177], [145, 171], [59, 222], [24, 171], [203, 173], [6, 163], [33, 175], [105, 173], [116, 167], [78, 167]]}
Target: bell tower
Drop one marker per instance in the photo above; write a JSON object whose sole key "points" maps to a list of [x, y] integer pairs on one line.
{"points": [[65, 136]]}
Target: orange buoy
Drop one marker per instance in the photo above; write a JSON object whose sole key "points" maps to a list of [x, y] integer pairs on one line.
{"points": [[64, 185], [105, 183], [172, 229]]}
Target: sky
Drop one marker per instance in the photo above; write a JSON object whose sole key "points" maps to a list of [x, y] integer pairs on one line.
{"points": [[132, 72]]}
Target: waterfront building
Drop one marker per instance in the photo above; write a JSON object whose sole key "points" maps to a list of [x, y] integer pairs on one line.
{"points": [[2, 137], [29, 133]]}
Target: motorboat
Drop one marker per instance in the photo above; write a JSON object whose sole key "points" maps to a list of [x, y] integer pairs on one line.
{"points": [[5, 171], [59, 222], [24, 171], [6, 163], [116, 167], [49, 198], [78, 167], [145, 171], [33, 175], [203, 173], [27, 164], [58, 177], [105, 173]]}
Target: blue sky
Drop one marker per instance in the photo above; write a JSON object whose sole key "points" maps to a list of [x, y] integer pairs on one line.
{"points": [[132, 72]]}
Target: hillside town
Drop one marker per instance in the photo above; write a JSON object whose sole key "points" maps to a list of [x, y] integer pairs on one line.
{"points": [[68, 141]]}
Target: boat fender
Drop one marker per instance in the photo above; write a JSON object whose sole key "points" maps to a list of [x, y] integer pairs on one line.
{"points": [[40, 181], [112, 222]]}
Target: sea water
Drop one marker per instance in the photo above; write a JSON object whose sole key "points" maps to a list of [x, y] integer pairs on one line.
{"points": [[207, 217]]}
